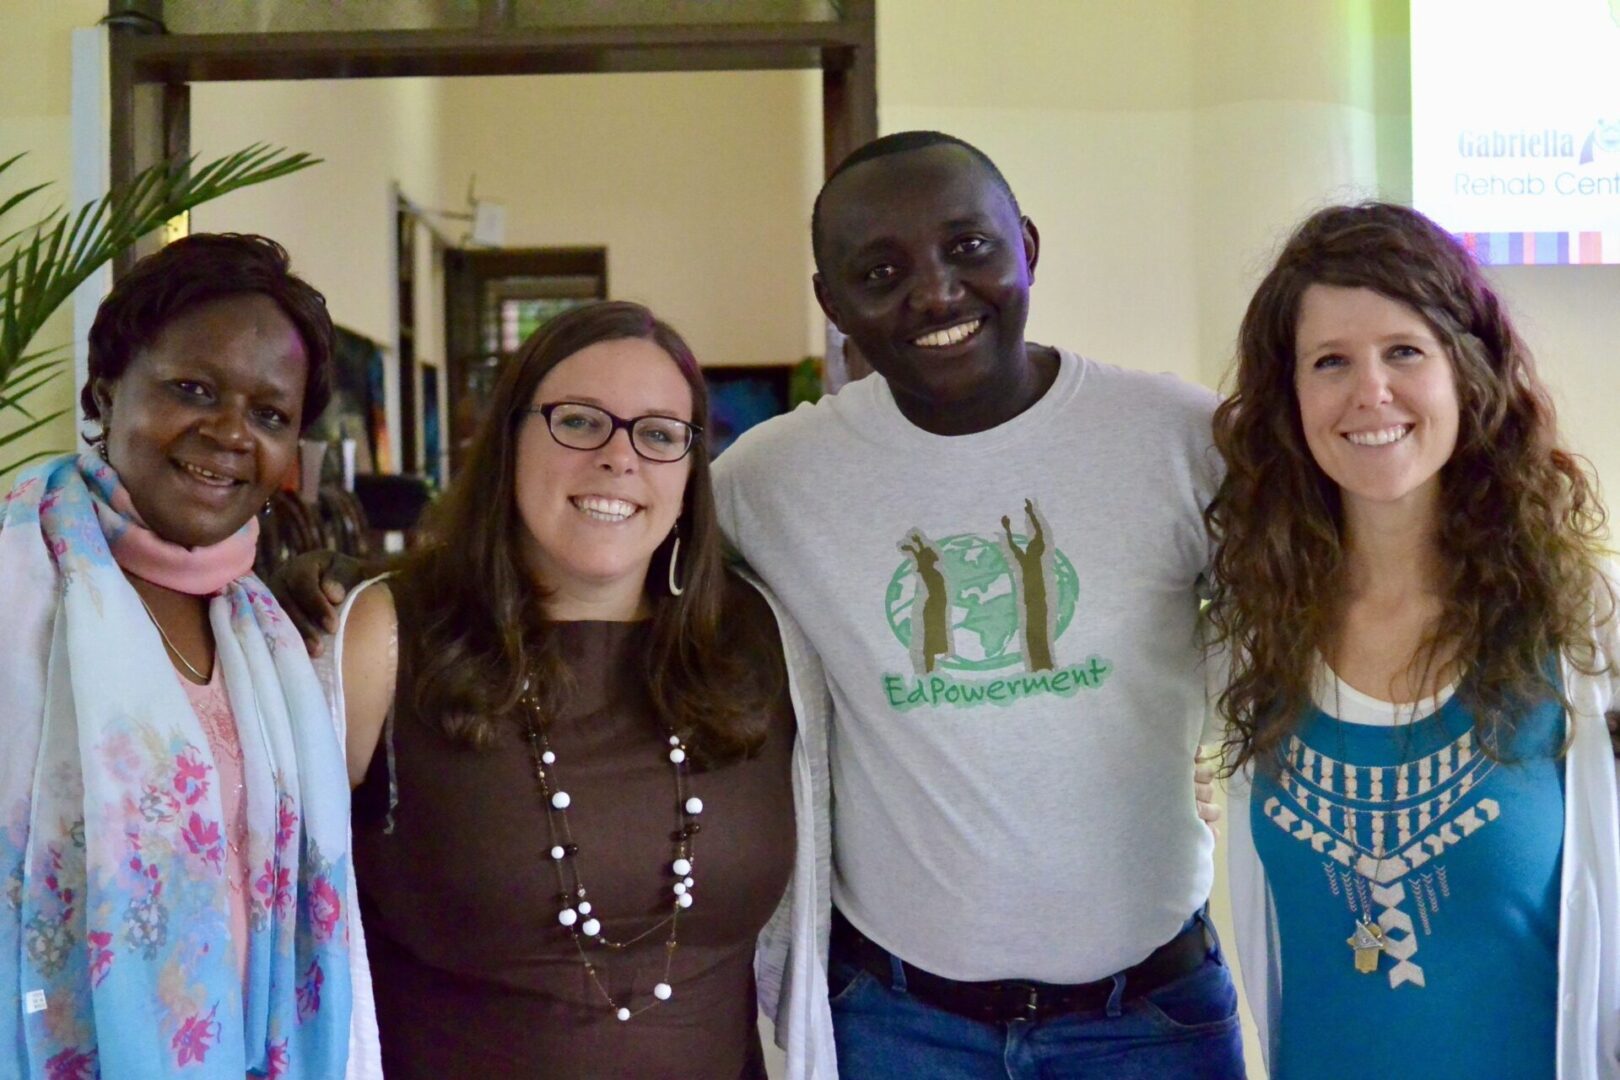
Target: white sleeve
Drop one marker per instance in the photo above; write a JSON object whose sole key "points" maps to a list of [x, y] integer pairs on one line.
{"points": [[723, 479], [365, 1049], [1253, 919]]}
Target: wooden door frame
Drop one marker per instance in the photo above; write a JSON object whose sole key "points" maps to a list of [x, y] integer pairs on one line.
{"points": [[151, 71]]}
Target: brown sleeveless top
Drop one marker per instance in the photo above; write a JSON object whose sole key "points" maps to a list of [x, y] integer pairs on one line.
{"points": [[472, 972]]}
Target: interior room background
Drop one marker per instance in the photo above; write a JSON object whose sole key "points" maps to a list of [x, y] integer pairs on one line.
{"points": [[1163, 148]]}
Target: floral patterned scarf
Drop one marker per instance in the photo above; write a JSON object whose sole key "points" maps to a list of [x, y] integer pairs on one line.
{"points": [[115, 958]]}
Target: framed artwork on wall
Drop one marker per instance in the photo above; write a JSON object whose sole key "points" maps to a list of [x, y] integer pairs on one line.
{"points": [[432, 426], [357, 410], [740, 397]]}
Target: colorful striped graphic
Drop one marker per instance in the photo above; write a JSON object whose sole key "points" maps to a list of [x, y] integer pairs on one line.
{"points": [[1543, 248]]}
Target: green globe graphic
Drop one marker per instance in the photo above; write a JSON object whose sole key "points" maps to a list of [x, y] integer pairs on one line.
{"points": [[984, 603]]}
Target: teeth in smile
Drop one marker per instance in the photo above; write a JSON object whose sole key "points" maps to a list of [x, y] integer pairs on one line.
{"points": [[602, 509], [1381, 437], [951, 335], [207, 477]]}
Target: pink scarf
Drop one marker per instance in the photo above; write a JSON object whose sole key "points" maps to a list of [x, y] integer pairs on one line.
{"points": [[200, 571], [113, 817]]}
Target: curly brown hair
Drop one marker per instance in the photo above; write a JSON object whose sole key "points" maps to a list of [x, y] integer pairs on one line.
{"points": [[1521, 523], [476, 614]]}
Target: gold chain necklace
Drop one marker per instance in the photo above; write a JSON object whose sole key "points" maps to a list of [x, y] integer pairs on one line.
{"points": [[164, 634], [231, 841]]}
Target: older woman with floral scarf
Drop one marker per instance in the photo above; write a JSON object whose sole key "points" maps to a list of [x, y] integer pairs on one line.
{"points": [[173, 814]]}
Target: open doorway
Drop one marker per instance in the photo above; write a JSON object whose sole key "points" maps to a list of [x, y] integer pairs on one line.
{"points": [[447, 69]]}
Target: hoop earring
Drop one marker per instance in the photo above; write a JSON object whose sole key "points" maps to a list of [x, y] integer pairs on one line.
{"points": [[674, 555]]}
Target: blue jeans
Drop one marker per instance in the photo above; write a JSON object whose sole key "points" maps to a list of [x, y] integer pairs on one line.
{"points": [[1187, 1030]]}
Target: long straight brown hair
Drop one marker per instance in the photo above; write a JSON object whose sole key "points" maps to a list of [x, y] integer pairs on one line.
{"points": [[475, 614]]}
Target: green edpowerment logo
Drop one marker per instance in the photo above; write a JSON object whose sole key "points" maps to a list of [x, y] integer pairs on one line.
{"points": [[969, 606]]}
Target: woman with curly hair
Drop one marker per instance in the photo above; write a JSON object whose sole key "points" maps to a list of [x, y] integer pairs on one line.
{"points": [[1420, 640]]}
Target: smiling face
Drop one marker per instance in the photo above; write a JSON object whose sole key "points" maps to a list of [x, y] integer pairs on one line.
{"points": [[203, 424], [593, 518], [926, 266], [1377, 396]]}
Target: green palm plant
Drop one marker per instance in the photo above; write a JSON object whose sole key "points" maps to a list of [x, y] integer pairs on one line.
{"points": [[44, 261]]}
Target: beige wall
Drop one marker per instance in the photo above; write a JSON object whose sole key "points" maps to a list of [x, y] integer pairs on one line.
{"points": [[336, 219], [1570, 315], [35, 87], [698, 185]]}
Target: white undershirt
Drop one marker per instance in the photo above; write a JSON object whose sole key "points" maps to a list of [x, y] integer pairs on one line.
{"points": [[1344, 702]]}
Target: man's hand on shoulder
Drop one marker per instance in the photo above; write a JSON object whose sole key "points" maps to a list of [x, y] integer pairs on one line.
{"points": [[1204, 792], [311, 588]]}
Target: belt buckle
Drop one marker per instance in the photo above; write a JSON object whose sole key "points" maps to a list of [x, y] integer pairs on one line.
{"points": [[1032, 1004]]}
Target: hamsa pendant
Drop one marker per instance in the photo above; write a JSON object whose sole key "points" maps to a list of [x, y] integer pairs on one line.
{"points": [[1368, 943]]}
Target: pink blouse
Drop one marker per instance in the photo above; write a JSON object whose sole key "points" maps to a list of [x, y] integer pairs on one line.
{"points": [[213, 708]]}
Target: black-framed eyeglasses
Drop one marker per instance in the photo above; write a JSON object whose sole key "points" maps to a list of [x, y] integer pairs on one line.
{"points": [[588, 427]]}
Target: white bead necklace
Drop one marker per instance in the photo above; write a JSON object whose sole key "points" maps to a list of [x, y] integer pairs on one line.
{"points": [[575, 910]]}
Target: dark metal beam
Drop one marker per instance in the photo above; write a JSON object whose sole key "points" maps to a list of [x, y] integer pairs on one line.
{"points": [[514, 51], [149, 122], [848, 120]]}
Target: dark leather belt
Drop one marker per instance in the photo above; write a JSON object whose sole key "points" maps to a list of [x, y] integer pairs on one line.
{"points": [[1004, 1001]]}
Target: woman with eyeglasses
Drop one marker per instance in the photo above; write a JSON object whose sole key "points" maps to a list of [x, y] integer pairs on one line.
{"points": [[570, 735]]}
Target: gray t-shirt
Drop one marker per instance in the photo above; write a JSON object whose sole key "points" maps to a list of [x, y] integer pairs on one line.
{"points": [[1008, 622]]}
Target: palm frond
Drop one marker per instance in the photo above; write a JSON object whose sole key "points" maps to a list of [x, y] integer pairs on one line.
{"points": [[19, 388], [43, 262], [6, 206], [9, 437]]}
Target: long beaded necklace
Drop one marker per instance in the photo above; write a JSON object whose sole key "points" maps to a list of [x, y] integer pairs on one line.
{"points": [[575, 910]]}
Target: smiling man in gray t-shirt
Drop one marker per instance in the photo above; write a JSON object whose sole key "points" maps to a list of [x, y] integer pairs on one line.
{"points": [[995, 547]]}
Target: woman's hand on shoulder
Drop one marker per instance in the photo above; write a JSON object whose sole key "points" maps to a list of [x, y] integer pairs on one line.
{"points": [[370, 669]]}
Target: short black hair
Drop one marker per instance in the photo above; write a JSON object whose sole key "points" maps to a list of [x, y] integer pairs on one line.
{"points": [[195, 270], [901, 142]]}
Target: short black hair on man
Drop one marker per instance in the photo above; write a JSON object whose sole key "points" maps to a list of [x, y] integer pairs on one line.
{"points": [[901, 142]]}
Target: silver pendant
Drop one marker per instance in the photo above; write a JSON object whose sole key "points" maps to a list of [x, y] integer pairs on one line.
{"points": [[1368, 943]]}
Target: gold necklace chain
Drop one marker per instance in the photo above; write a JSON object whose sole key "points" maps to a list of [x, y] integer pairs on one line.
{"points": [[164, 634]]}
